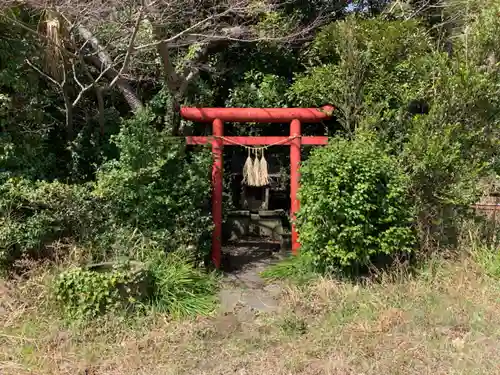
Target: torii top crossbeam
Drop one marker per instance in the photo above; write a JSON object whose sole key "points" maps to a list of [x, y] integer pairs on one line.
{"points": [[217, 116], [261, 115]]}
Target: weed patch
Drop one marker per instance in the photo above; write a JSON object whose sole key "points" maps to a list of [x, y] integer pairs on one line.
{"points": [[442, 319], [179, 289], [299, 269], [167, 284]]}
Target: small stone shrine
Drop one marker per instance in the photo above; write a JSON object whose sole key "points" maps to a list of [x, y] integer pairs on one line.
{"points": [[258, 194]]}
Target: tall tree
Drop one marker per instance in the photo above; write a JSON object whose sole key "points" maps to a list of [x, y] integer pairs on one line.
{"points": [[97, 45]]}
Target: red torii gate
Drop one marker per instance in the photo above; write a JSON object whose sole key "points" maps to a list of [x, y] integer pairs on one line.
{"points": [[217, 116]]}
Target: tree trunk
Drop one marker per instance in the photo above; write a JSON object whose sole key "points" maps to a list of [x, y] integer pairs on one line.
{"points": [[105, 61]]}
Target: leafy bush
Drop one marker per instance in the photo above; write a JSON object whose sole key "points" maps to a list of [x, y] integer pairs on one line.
{"points": [[258, 90], [27, 144], [436, 112], [34, 214], [354, 205], [85, 294], [447, 151], [367, 68], [155, 187], [165, 283]]}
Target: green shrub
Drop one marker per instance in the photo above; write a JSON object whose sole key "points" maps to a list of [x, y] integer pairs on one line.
{"points": [[85, 294], [34, 214], [436, 112], [368, 68], [448, 151], [155, 186], [155, 190], [354, 205], [169, 284]]}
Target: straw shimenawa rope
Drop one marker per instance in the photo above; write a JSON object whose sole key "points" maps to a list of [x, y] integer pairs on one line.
{"points": [[248, 175], [52, 27], [256, 168], [255, 171], [263, 174]]}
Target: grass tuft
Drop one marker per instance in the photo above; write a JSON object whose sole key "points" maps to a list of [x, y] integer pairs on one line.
{"points": [[297, 269], [180, 289], [488, 258]]}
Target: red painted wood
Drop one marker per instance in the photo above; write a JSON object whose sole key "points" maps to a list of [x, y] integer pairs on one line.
{"points": [[295, 130], [217, 171], [257, 141], [273, 115]]}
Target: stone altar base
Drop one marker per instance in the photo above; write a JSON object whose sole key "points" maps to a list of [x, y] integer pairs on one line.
{"points": [[267, 224]]}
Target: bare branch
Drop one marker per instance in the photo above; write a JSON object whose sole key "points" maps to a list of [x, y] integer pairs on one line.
{"points": [[100, 108], [118, 36], [103, 59], [64, 92], [75, 77], [45, 75], [184, 85], [183, 32], [84, 89], [130, 49], [122, 85], [69, 106]]}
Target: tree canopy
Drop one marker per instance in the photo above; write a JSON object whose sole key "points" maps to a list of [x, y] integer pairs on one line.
{"points": [[91, 143]]}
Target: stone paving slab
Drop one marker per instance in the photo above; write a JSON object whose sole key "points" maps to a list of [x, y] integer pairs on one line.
{"points": [[244, 288]]}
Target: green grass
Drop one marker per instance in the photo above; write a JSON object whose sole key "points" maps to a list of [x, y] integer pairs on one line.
{"points": [[180, 289], [488, 257], [298, 269]]}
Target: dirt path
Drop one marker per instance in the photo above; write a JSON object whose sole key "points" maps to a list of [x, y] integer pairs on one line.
{"points": [[244, 291]]}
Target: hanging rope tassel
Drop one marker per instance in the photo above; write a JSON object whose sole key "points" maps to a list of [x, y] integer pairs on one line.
{"points": [[248, 172], [256, 169], [263, 173]]}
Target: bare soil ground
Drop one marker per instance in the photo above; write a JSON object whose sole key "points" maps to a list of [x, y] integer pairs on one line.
{"points": [[445, 320]]}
